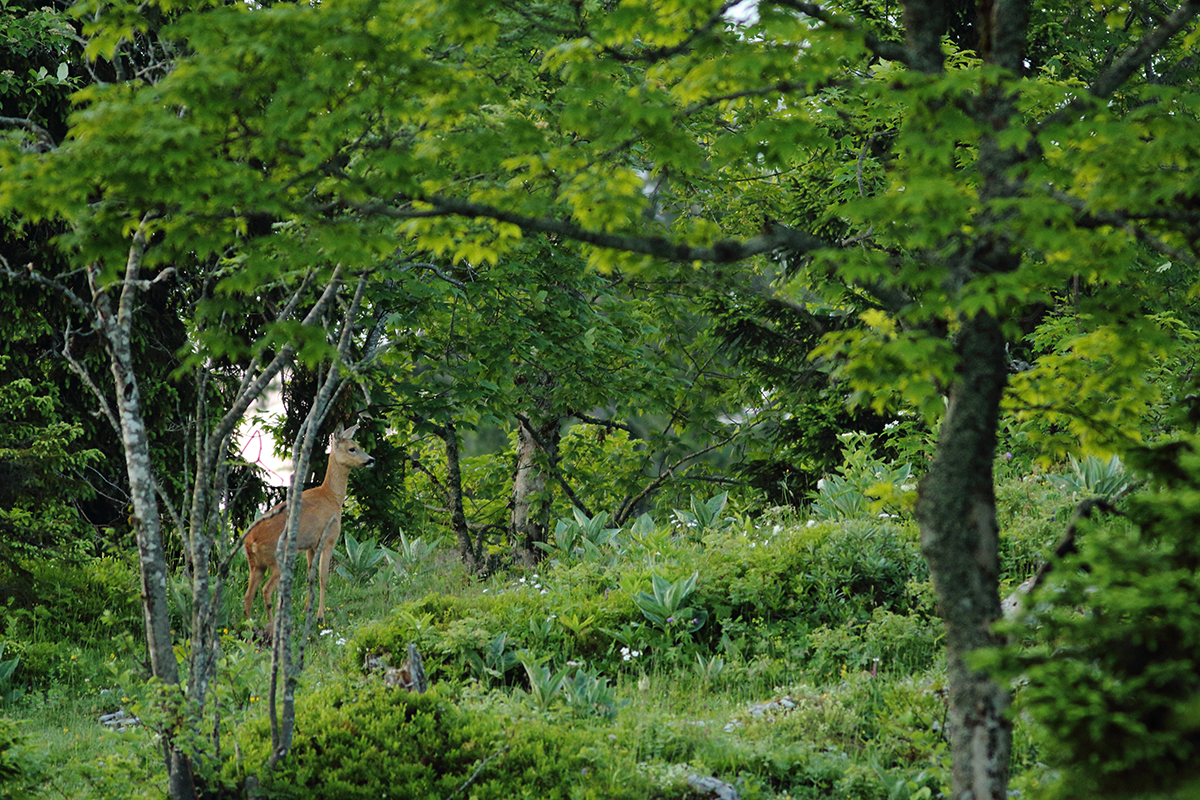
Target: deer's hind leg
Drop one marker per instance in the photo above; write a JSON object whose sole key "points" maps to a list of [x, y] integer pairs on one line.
{"points": [[330, 541], [267, 592], [256, 576]]}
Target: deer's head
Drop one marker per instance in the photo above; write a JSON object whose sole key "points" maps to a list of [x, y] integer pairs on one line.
{"points": [[347, 452]]}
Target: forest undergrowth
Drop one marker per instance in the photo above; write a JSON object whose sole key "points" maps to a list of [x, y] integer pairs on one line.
{"points": [[789, 654]]}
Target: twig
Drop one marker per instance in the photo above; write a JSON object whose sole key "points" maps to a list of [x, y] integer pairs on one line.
{"points": [[479, 769]]}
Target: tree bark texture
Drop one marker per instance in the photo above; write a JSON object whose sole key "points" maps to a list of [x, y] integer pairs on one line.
{"points": [[468, 548], [116, 325], [956, 510], [536, 443]]}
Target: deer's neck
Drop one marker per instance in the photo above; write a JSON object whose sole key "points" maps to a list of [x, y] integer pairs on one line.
{"points": [[336, 476]]}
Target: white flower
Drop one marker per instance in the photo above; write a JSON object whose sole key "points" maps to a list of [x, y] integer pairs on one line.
{"points": [[327, 632], [340, 642]]}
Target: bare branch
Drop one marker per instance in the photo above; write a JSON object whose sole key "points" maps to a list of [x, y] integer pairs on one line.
{"points": [[32, 275], [666, 474], [86, 377], [45, 142]]}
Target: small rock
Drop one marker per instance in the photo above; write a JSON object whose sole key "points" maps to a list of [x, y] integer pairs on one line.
{"points": [[712, 787], [119, 720]]}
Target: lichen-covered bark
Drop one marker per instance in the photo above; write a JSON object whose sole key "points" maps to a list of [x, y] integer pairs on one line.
{"points": [[115, 324], [956, 509], [536, 443], [468, 548]]}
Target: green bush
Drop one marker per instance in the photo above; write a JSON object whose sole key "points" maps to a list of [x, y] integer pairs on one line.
{"points": [[757, 593], [382, 742], [77, 600], [21, 771], [1110, 661], [825, 574], [889, 642], [863, 484]]}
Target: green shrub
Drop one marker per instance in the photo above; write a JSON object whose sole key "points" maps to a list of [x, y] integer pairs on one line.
{"points": [[21, 771], [1112, 666], [750, 592], [383, 742], [889, 642], [863, 484], [77, 601], [458, 636], [825, 574]]}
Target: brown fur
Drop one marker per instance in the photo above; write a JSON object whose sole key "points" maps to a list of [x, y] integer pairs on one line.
{"points": [[320, 517]]}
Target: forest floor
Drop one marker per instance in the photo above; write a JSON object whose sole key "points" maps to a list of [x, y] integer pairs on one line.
{"points": [[809, 665]]}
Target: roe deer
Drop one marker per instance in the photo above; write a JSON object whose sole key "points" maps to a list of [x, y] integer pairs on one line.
{"points": [[320, 519]]}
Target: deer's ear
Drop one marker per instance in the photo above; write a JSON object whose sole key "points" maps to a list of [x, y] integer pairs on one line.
{"points": [[349, 433], [341, 434]]}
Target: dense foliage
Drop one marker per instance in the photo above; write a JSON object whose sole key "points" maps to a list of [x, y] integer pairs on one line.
{"points": [[1108, 648], [533, 239]]}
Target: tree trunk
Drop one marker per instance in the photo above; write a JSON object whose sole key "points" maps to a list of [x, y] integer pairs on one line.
{"points": [[468, 548], [956, 509], [530, 519], [116, 326]]}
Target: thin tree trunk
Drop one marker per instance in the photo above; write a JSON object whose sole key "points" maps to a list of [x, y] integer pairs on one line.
{"points": [[116, 326], [468, 548], [283, 725], [530, 518], [956, 510]]}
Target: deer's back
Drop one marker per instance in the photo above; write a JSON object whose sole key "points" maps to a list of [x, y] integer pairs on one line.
{"points": [[317, 507]]}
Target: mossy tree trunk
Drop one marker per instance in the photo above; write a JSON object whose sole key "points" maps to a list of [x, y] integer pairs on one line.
{"points": [[956, 509]]}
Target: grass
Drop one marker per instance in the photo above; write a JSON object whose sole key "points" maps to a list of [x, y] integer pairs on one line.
{"points": [[774, 716]]}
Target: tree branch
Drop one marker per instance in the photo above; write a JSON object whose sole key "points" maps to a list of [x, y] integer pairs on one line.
{"points": [[630, 503], [1115, 76], [889, 51], [656, 54], [612, 425], [553, 463], [1086, 218], [1133, 58], [723, 252], [45, 142]]}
